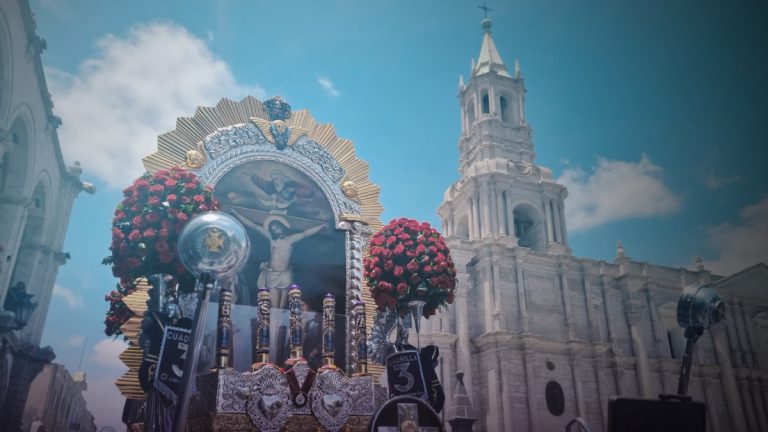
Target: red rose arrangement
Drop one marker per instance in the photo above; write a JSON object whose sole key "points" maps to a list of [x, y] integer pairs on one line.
{"points": [[145, 231], [409, 260]]}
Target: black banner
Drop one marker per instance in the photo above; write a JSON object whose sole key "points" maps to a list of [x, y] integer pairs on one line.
{"points": [[429, 361], [170, 367], [404, 374]]}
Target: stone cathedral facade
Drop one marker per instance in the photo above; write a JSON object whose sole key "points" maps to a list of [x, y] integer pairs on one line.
{"points": [[37, 191], [543, 336]]}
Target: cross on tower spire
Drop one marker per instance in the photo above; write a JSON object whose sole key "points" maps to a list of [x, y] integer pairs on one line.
{"points": [[485, 9]]}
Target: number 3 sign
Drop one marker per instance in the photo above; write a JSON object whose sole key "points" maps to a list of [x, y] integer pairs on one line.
{"points": [[404, 375]]}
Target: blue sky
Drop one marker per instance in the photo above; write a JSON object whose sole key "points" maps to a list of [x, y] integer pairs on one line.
{"points": [[664, 99]]}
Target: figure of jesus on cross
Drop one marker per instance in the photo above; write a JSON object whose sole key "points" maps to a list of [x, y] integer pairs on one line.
{"points": [[277, 273]]}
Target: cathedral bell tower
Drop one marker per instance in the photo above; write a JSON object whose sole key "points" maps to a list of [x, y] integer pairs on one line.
{"points": [[502, 194]]}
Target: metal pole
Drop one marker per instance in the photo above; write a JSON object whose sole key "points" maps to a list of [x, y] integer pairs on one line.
{"points": [[691, 336], [190, 365]]}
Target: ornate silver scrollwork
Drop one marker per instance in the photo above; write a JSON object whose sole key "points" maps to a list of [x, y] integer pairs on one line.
{"points": [[379, 346], [224, 139], [358, 235], [330, 400], [232, 391], [361, 390], [269, 405], [319, 155]]}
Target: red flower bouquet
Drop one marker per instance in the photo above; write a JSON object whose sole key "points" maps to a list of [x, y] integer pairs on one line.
{"points": [[145, 230], [408, 261]]}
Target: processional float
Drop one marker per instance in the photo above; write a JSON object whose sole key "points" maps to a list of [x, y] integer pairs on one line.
{"points": [[268, 215]]}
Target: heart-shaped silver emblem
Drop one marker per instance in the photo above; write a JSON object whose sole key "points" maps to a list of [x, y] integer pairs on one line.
{"points": [[333, 403], [270, 405]]}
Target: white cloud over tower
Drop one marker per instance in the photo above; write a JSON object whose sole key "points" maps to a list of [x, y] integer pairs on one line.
{"points": [[613, 190], [130, 90]]}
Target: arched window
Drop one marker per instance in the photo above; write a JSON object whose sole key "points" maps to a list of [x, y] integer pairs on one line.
{"points": [[13, 159], [553, 221], [462, 227], [504, 107], [528, 227], [486, 102], [30, 238]]}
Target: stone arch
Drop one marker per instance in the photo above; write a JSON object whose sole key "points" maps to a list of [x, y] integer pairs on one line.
{"points": [[6, 68], [485, 101], [507, 107], [15, 154], [32, 236], [462, 227], [529, 227], [469, 111]]}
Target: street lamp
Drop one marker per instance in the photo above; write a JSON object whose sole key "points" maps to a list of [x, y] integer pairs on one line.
{"points": [[20, 303], [698, 309]]}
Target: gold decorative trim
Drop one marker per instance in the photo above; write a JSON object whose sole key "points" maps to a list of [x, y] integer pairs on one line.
{"points": [[350, 217], [172, 147], [263, 125], [128, 384]]}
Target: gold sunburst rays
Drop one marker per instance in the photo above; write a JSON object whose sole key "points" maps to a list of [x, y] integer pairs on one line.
{"points": [[128, 384], [172, 146]]}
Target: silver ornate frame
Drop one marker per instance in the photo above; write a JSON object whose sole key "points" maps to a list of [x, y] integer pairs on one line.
{"points": [[234, 145]]}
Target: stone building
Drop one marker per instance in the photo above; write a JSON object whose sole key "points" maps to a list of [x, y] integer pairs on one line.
{"points": [[543, 336], [56, 402], [37, 191]]}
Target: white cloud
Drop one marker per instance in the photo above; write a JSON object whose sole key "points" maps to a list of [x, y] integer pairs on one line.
{"points": [[741, 245], [616, 190], [73, 300], [328, 86], [104, 401], [74, 341], [713, 181], [103, 398], [106, 352], [131, 90]]}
